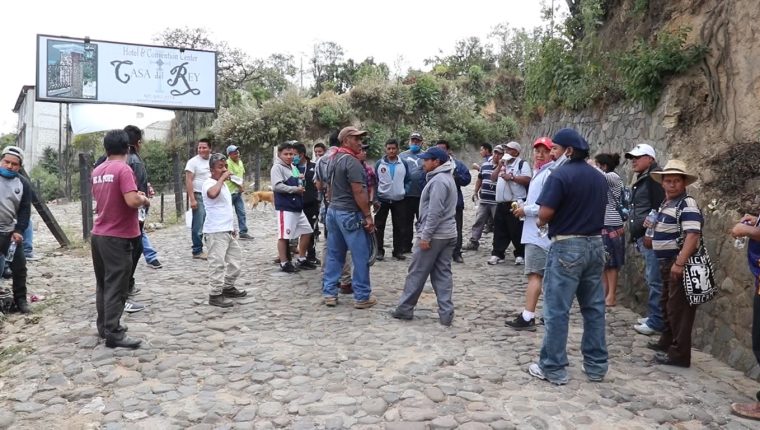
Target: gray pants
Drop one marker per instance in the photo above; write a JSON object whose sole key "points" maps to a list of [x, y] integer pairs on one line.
{"points": [[436, 263], [485, 213]]}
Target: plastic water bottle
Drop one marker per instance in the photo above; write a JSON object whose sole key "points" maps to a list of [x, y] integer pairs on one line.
{"points": [[11, 252], [741, 242], [652, 219], [518, 204]]}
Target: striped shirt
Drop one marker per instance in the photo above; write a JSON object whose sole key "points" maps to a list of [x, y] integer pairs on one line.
{"points": [[666, 230], [611, 215], [487, 188]]}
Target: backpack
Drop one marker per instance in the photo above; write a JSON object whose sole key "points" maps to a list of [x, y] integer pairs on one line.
{"points": [[623, 205]]}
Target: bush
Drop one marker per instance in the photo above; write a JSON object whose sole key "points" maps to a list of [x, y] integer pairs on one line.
{"points": [[645, 67], [158, 161], [46, 183]]}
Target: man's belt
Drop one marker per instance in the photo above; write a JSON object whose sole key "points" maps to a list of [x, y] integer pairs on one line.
{"points": [[559, 237]]}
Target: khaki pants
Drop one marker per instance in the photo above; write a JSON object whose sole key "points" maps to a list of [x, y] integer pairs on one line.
{"points": [[224, 256]]}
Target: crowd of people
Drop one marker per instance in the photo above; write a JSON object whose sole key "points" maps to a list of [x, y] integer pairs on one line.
{"points": [[565, 215]]}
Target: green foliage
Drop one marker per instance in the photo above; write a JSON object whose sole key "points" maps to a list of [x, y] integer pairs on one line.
{"points": [[158, 161], [425, 94], [645, 67], [48, 182], [640, 7], [8, 139], [330, 111]]}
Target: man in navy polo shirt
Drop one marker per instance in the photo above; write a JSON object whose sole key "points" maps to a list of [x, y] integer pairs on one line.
{"points": [[573, 202]]}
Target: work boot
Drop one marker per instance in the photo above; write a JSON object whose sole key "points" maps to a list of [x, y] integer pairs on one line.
{"points": [[125, 342], [219, 301], [234, 293], [22, 306]]}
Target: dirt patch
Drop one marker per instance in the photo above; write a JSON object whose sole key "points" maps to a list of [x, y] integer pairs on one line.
{"points": [[735, 173]]}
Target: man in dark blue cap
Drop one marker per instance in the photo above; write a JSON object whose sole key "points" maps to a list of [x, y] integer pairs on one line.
{"points": [[573, 203], [436, 239]]}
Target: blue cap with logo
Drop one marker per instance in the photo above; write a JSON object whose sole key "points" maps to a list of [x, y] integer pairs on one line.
{"points": [[435, 153], [231, 149]]}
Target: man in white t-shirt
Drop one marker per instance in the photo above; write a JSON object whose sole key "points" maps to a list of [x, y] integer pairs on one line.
{"points": [[196, 173], [220, 234]]}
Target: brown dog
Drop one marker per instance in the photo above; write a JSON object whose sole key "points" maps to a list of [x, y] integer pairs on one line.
{"points": [[263, 197]]}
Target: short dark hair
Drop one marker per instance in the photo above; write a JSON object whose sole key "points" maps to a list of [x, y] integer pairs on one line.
{"points": [[444, 143], [206, 140], [334, 138], [319, 145], [135, 134], [488, 147], [300, 148], [283, 146], [391, 142], [116, 142], [579, 154], [609, 160]]}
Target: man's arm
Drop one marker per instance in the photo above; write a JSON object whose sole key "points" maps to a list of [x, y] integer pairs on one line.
{"points": [[189, 176], [214, 191], [25, 209], [435, 209], [135, 199], [362, 201]]}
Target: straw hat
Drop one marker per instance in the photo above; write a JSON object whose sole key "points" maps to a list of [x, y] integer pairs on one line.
{"points": [[675, 167]]}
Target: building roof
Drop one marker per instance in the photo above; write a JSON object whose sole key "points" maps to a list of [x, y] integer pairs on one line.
{"points": [[21, 97]]}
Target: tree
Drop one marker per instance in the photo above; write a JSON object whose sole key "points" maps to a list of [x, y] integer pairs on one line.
{"points": [[467, 53], [8, 139], [325, 65]]}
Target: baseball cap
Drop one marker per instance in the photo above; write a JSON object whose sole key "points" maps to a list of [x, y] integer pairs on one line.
{"points": [[435, 153], [639, 150], [514, 145], [498, 148], [569, 137], [415, 135], [546, 142], [14, 150], [350, 131], [231, 149]]}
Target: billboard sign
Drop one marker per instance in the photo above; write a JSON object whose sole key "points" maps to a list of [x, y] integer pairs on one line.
{"points": [[73, 70]]}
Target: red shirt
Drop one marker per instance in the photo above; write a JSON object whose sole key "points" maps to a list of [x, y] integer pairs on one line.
{"points": [[110, 181]]}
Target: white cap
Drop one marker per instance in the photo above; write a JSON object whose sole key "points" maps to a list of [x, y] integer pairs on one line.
{"points": [[641, 149], [514, 145]]}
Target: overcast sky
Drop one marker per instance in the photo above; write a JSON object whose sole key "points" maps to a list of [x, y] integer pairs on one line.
{"points": [[389, 30]]}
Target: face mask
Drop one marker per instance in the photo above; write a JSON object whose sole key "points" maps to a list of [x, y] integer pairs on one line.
{"points": [[5, 173], [414, 148], [540, 164], [297, 159]]}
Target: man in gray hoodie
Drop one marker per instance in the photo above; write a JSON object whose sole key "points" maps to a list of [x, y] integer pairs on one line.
{"points": [[436, 239]]}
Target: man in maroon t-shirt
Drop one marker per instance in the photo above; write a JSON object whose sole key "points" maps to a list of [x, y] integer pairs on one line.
{"points": [[115, 234]]}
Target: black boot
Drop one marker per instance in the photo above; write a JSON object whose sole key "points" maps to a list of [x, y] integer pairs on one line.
{"points": [[125, 342], [22, 306], [219, 301]]}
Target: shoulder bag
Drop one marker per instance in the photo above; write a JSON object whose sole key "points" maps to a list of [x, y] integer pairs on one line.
{"points": [[698, 273]]}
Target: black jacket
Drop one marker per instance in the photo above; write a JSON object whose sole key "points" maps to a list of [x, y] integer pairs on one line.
{"points": [[646, 194]]}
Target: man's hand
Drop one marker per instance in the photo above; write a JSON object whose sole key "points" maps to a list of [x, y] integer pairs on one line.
{"points": [[376, 205], [424, 244], [193, 203], [226, 175], [369, 224], [146, 200], [676, 274], [301, 190], [748, 219], [17, 237], [151, 191], [519, 212], [476, 166]]}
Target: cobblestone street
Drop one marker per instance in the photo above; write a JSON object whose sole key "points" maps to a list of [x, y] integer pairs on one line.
{"points": [[280, 359]]}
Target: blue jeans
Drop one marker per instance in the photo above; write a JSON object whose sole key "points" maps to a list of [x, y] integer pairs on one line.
{"points": [[28, 236], [574, 269], [239, 205], [149, 252], [346, 233], [199, 216], [654, 282]]}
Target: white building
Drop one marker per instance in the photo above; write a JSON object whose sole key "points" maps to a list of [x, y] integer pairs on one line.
{"points": [[43, 125], [40, 125]]}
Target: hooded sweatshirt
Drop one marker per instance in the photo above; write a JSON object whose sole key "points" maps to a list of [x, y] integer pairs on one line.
{"points": [[438, 205], [392, 179], [285, 187]]}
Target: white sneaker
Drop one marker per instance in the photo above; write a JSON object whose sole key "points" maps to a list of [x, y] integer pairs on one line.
{"points": [[519, 261], [493, 260], [132, 307], [642, 320], [535, 371], [645, 329]]}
